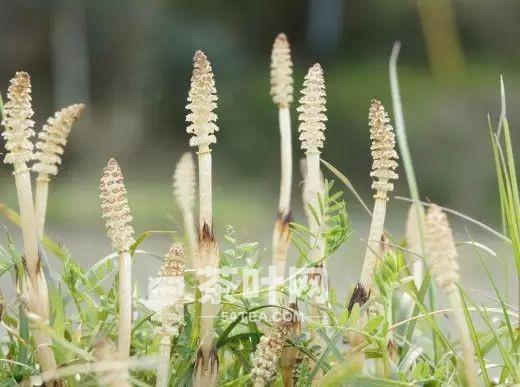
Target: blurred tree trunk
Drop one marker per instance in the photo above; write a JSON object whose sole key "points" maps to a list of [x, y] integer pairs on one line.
{"points": [[70, 53], [325, 25], [442, 40]]}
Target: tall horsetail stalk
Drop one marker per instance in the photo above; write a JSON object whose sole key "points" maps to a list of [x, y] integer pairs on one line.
{"points": [[201, 103], [116, 212], [18, 129], [53, 139], [383, 166], [282, 94], [312, 126], [442, 259], [184, 190], [384, 163]]}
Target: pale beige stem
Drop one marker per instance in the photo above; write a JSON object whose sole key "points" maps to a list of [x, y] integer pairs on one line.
{"points": [[470, 368], [315, 193], [281, 242], [27, 219], [40, 202], [191, 234], [205, 195], [314, 187], [35, 289], [372, 255], [206, 369], [357, 342], [163, 363], [125, 304], [281, 232], [284, 118], [38, 304], [417, 272], [373, 250], [207, 363]]}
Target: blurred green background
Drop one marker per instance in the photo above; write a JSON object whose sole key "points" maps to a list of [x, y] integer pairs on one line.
{"points": [[130, 62]]}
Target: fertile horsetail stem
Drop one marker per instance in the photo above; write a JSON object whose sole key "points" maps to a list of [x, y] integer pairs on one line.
{"points": [[166, 299], [201, 103], [282, 93], [118, 218], [18, 129], [442, 259], [384, 163], [53, 139], [312, 126], [269, 350]]}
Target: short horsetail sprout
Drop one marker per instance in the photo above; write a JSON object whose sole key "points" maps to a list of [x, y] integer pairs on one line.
{"points": [[53, 139], [268, 352], [282, 93], [18, 129], [413, 243], [166, 299], [384, 163], [116, 213], [442, 260], [184, 190], [201, 103], [312, 125]]}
